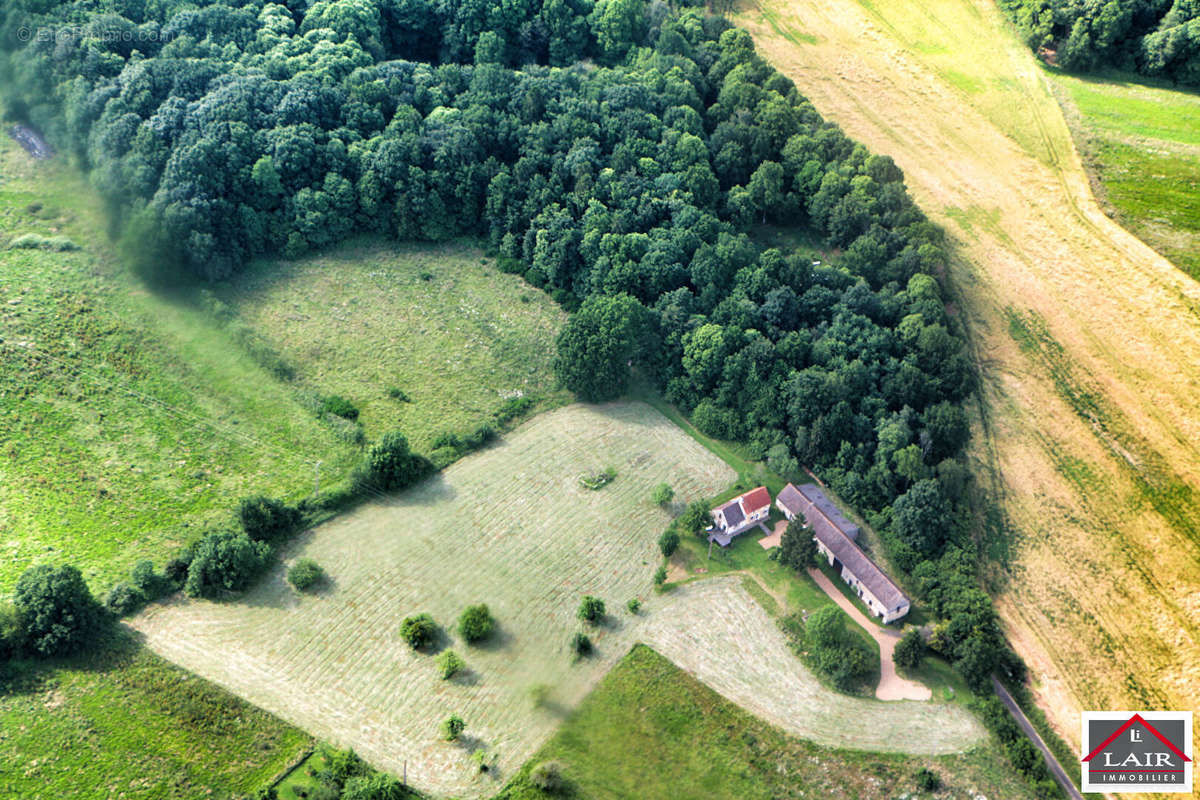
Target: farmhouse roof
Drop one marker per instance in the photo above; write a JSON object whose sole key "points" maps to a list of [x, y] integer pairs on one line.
{"points": [[837, 541], [1135, 718], [756, 500], [733, 513]]}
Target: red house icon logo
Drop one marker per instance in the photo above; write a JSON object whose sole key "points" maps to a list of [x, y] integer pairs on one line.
{"points": [[1137, 751]]}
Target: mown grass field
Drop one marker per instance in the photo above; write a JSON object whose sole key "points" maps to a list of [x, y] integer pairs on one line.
{"points": [[691, 742], [131, 420], [511, 526], [1088, 422], [1142, 145], [122, 723]]}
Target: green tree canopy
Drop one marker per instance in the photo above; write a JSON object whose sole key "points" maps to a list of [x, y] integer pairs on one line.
{"points": [[57, 610]]}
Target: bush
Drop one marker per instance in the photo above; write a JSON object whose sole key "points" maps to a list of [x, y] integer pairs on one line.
{"points": [[34, 241], [225, 561], [59, 614], [660, 576], [338, 406], [398, 394], [591, 609], [418, 630], [124, 598], [695, 519], [476, 623], [266, 519], [305, 574], [634, 605], [513, 408], [450, 663], [176, 570], [548, 776], [598, 480], [376, 786], [668, 543], [663, 494], [928, 780], [909, 650], [581, 644], [391, 465], [453, 727], [147, 581]]}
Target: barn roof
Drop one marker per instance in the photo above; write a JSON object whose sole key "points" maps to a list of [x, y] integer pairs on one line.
{"points": [[841, 544], [814, 496]]}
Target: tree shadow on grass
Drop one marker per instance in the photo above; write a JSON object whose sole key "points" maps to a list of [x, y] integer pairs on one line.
{"points": [[499, 639]]}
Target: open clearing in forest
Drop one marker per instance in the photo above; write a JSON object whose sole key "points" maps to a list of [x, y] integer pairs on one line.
{"points": [[511, 526], [439, 322], [1142, 145], [130, 420], [1089, 424]]}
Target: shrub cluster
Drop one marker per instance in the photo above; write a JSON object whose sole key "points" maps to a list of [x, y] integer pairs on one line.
{"points": [[827, 646], [305, 574], [1019, 749], [224, 561], [449, 447]]}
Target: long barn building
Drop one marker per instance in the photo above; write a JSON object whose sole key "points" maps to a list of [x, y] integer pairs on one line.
{"points": [[836, 540]]}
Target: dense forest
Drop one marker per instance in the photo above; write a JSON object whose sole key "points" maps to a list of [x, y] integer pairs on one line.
{"points": [[624, 156], [1157, 38]]}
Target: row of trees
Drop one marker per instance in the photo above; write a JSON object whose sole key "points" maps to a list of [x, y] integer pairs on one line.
{"points": [[1158, 38]]}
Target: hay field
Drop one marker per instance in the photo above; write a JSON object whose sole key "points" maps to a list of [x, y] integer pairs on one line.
{"points": [[509, 526], [437, 321], [1089, 422]]}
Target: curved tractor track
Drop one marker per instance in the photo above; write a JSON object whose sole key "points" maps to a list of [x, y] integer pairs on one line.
{"points": [[1088, 340]]}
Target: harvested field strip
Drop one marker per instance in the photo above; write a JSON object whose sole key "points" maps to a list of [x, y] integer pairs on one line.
{"points": [[715, 631], [510, 526], [691, 743], [1086, 337]]}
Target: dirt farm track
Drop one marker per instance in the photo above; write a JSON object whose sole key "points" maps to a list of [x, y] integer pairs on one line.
{"points": [[1089, 340], [511, 526]]}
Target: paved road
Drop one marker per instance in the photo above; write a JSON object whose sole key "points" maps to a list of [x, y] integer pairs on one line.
{"points": [[891, 686], [1056, 769]]}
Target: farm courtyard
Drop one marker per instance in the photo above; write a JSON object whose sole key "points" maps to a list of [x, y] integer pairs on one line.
{"points": [[511, 526]]}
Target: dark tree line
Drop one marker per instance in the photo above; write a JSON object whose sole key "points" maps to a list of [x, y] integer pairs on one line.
{"points": [[1157, 38]]}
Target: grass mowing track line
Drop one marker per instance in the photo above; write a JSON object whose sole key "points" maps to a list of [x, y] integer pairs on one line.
{"points": [[509, 526], [995, 150]]}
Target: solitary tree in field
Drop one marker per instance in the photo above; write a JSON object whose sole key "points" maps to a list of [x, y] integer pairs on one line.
{"points": [[60, 615], [418, 630], [453, 727], [450, 664], [476, 623], [663, 494], [591, 609]]}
